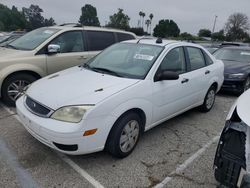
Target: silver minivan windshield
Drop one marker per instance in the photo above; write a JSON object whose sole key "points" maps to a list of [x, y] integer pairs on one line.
{"points": [[33, 39], [128, 60]]}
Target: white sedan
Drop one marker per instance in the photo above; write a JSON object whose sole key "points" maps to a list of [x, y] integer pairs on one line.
{"points": [[127, 89]]}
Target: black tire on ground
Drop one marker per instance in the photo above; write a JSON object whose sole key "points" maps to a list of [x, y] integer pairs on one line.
{"points": [[114, 144], [26, 78], [208, 100]]}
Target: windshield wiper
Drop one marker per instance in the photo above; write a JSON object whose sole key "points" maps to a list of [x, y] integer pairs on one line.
{"points": [[104, 70], [10, 46]]}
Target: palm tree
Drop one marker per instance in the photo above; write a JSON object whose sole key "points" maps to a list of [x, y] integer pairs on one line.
{"points": [[151, 17], [147, 22], [140, 14], [143, 15]]}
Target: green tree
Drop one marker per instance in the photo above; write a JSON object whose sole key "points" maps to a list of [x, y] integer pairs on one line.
{"points": [[204, 33], [137, 30], [49, 22], [140, 14], [151, 18], [89, 16], [34, 16], [218, 36], [11, 19], [186, 36], [119, 20], [237, 26], [166, 28], [147, 22]]}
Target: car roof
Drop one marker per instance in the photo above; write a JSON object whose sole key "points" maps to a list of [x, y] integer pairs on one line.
{"points": [[237, 47], [164, 42], [79, 27]]}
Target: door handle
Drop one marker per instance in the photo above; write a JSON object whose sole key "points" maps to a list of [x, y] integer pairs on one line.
{"points": [[184, 80], [207, 72]]}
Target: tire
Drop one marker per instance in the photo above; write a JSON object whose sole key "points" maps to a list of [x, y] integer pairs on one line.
{"points": [[15, 83], [128, 128], [209, 100]]}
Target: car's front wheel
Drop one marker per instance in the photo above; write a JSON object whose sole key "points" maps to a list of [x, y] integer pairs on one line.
{"points": [[124, 135], [209, 100], [14, 86]]}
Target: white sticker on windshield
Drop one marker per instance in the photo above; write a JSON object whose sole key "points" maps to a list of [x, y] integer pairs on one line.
{"points": [[48, 32], [144, 57], [245, 53]]}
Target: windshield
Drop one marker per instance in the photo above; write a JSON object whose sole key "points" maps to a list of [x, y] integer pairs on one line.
{"points": [[33, 39], [3, 38], [239, 55], [126, 60]]}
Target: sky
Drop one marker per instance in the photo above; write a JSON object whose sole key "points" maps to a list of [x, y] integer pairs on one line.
{"points": [[190, 15]]}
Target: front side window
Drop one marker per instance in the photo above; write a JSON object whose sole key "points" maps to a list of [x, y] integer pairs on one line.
{"points": [[70, 42], [196, 58], [33, 39], [99, 40], [126, 60], [174, 61]]}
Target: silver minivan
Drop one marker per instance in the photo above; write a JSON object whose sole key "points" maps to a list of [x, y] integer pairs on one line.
{"points": [[50, 49]]}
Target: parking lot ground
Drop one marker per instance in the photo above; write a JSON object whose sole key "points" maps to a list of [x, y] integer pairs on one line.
{"points": [[157, 156]]}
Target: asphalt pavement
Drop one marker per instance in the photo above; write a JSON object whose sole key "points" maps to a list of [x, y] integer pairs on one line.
{"points": [[177, 153]]}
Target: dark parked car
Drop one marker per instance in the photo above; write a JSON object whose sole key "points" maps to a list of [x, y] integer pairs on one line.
{"points": [[237, 68]]}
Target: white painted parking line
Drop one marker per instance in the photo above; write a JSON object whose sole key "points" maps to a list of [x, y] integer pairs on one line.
{"points": [[184, 165], [82, 172], [66, 159]]}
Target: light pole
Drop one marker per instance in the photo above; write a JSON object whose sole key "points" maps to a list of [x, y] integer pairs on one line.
{"points": [[214, 22]]}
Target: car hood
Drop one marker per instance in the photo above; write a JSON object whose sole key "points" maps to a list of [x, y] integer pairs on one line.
{"points": [[76, 86], [7, 53], [236, 67], [243, 105]]}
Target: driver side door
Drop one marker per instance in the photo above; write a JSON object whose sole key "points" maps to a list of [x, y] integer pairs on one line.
{"points": [[72, 52], [171, 97]]}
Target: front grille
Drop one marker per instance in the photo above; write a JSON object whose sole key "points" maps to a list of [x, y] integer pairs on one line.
{"points": [[36, 107]]}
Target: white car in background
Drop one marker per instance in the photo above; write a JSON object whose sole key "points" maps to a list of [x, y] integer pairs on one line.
{"points": [[125, 90]]}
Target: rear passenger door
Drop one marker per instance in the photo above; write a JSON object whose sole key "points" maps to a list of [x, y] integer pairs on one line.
{"points": [[199, 72], [72, 51], [98, 41]]}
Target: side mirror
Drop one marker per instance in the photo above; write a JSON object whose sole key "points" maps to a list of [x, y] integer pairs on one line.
{"points": [[53, 48], [167, 75]]}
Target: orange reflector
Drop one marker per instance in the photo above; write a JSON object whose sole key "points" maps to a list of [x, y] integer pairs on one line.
{"points": [[89, 132]]}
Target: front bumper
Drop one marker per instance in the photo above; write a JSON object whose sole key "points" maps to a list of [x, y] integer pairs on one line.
{"points": [[235, 85], [66, 137]]}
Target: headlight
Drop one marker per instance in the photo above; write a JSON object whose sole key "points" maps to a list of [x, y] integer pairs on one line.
{"points": [[238, 75], [72, 114]]}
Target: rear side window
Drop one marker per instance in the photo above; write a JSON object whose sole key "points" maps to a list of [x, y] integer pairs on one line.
{"points": [[208, 59], [124, 36], [99, 40], [196, 58]]}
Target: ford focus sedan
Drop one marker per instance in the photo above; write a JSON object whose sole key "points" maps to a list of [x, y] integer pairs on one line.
{"points": [[127, 89]]}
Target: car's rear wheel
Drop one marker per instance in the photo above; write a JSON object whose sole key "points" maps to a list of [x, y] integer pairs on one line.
{"points": [[209, 100], [14, 86], [124, 135]]}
